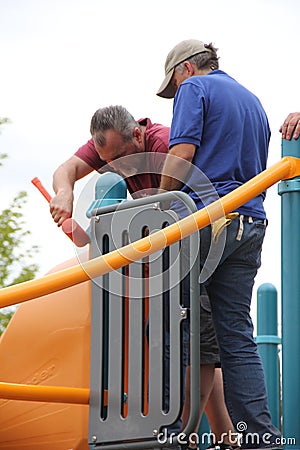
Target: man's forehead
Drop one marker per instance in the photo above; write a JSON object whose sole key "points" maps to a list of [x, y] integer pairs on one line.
{"points": [[114, 146], [113, 135]]}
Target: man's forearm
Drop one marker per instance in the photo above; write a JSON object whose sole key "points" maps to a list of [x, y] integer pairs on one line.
{"points": [[63, 180], [176, 167], [170, 184]]}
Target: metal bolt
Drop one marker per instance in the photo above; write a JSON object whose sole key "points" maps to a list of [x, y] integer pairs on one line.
{"points": [[155, 206], [97, 219], [94, 438], [155, 432], [183, 313]]}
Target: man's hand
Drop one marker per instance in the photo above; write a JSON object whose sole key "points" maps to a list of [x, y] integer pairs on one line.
{"points": [[291, 126], [64, 178], [61, 207]]}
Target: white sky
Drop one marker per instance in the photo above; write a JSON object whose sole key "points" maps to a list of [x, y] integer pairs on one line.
{"points": [[63, 59]]}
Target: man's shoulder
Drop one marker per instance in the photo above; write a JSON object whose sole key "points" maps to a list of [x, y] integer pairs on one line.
{"points": [[88, 154], [157, 138], [152, 125]]}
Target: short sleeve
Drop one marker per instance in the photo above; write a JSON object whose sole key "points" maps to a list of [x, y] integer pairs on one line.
{"points": [[89, 155], [188, 113]]}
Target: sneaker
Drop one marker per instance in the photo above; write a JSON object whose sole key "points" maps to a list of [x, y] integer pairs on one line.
{"points": [[189, 448], [223, 446], [266, 447], [229, 447], [177, 447]]}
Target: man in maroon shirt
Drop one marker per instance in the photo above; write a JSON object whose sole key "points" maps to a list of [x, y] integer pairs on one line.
{"points": [[137, 152]]}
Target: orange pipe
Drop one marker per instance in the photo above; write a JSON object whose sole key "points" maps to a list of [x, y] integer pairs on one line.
{"points": [[288, 167], [37, 393], [37, 183], [47, 394], [69, 226]]}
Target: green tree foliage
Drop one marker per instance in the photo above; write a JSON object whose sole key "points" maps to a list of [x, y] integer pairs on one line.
{"points": [[5, 316], [3, 120], [16, 261]]}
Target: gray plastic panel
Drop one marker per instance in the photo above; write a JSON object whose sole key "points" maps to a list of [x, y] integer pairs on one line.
{"points": [[119, 303]]}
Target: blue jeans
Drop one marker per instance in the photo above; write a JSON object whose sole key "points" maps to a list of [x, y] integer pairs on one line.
{"points": [[230, 290]]}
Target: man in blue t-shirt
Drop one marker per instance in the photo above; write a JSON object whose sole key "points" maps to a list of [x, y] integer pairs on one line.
{"points": [[219, 140]]}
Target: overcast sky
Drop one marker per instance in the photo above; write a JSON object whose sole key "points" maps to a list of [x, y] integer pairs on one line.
{"points": [[63, 59]]}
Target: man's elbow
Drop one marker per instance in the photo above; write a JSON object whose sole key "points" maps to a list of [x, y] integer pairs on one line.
{"points": [[183, 151]]}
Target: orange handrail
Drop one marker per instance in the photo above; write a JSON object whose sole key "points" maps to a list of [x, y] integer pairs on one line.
{"points": [[52, 394], [288, 167], [47, 394]]}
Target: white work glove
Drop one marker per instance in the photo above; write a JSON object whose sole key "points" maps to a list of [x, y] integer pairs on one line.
{"points": [[219, 225]]}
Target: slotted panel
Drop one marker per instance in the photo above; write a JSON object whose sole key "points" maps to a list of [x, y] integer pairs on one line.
{"points": [[121, 363]]}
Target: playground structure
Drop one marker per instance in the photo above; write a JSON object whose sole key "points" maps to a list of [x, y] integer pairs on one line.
{"points": [[69, 287]]}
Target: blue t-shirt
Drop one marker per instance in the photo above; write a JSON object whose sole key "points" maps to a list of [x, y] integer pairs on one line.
{"points": [[230, 130]]}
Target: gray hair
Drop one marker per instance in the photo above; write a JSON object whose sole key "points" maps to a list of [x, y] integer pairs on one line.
{"points": [[203, 60], [115, 118]]}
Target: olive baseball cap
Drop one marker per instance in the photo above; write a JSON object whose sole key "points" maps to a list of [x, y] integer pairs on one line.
{"points": [[181, 52]]}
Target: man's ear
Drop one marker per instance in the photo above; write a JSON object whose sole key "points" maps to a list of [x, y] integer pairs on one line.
{"points": [[138, 135], [190, 68]]}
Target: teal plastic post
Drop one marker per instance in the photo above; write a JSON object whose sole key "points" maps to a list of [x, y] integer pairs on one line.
{"points": [[290, 275], [204, 433], [267, 341], [110, 188]]}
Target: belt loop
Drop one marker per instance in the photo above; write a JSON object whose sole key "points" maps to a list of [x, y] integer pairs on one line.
{"points": [[241, 228]]}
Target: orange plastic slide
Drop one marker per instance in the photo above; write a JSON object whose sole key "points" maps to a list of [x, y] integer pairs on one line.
{"points": [[47, 343]]}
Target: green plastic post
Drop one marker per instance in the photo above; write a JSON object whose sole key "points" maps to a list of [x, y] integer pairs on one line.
{"points": [[290, 274], [204, 433], [111, 186], [267, 341], [110, 189]]}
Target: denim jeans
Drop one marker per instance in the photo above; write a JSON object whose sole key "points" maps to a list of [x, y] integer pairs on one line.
{"points": [[230, 290]]}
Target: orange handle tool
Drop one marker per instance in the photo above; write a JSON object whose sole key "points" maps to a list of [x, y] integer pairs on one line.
{"points": [[70, 227]]}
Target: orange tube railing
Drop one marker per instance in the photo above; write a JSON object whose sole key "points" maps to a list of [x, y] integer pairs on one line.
{"points": [[37, 393], [288, 167], [49, 394]]}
